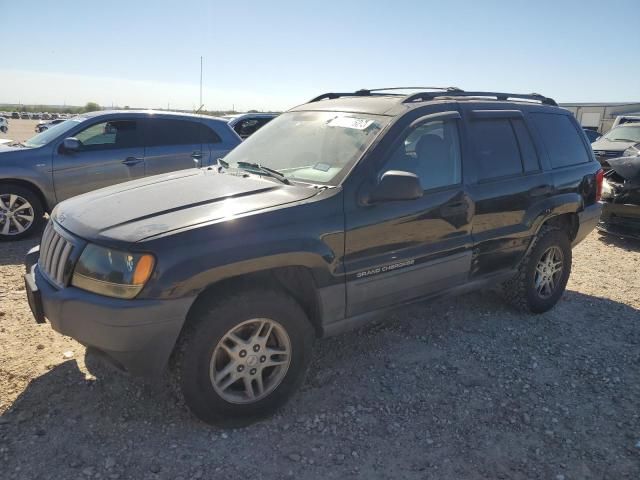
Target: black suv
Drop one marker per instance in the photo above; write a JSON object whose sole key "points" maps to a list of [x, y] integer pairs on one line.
{"points": [[339, 209]]}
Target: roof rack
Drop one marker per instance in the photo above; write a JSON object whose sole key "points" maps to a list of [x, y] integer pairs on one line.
{"points": [[370, 92], [425, 96]]}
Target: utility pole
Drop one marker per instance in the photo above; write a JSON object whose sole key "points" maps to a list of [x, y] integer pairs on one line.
{"points": [[200, 81]]}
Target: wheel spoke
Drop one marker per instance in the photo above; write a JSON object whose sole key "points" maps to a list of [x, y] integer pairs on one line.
{"points": [[18, 225], [259, 384], [3, 204], [248, 388], [231, 379], [25, 206], [282, 357], [12, 201], [28, 218], [6, 226]]}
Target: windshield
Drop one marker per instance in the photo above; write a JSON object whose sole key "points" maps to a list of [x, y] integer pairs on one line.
{"points": [[53, 132], [313, 147], [626, 133]]}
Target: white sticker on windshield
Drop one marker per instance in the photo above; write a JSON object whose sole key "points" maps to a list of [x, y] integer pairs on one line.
{"points": [[350, 122]]}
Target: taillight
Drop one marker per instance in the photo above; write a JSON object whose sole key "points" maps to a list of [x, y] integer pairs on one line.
{"points": [[599, 180]]}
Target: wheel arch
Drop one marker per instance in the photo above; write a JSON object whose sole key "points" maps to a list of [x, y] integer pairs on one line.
{"points": [[296, 281], [31, 186]]}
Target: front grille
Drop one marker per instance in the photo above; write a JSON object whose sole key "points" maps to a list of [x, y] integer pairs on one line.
{"points": [[55, 251], [608, 153]]}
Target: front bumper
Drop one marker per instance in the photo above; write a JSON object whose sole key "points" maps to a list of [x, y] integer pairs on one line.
{"points": [[137, 335], [587, 219], [620, 219]]}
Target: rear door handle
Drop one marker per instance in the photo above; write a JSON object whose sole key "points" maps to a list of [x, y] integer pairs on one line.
{"points": [[196, 155], [131, 161]]}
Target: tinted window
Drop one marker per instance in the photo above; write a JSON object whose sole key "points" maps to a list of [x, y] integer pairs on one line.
{"points": [[561, 139], [431, 151], [208, 135], [527, 150], [110, 135], [178, 132], [496, 148]]}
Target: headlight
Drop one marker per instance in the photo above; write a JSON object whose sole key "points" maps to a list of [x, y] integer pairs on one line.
{"points": [[111, 272], [632, 151]]}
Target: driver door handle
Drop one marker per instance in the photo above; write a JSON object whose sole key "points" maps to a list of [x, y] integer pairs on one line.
{"points": [[131, 161]]}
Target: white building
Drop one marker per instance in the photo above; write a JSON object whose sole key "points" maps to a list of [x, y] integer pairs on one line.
{"points": [[600, 116]]}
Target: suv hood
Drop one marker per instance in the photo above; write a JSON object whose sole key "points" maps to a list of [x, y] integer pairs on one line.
{"points": [[137, 210]]}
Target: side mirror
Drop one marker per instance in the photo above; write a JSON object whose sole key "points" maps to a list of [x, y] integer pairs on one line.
{"points": [[72, 144], [396, 185]]}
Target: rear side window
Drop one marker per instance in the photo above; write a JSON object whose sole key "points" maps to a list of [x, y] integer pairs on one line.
{"points": [[496, 148], [561, 139], [178, 132]]}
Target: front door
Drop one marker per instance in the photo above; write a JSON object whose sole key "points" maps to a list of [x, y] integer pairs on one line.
{"points": [[110, 152], [398, 251]]}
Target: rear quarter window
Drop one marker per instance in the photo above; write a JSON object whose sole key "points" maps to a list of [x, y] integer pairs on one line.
{"points": [[561, 139]]}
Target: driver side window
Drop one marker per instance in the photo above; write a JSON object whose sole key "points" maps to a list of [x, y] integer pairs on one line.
{"points": [[110, 135], [432, 152]]}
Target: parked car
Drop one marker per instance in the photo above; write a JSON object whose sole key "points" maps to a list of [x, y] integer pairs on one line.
{"points": [[613, 143], [15, 115], [592, 135], [246, 124], [4, 125], [621, 197], [25, 116], [42, 126], [99, 149], [622, 119], [330, 215]]}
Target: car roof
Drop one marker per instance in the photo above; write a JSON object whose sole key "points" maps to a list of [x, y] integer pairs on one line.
{"points": [[152, 113], [392, 104]]}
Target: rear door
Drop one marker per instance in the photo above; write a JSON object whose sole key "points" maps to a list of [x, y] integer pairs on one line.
{"points": [[398, 251], [111, 152], [172, 144], [508, 185]]}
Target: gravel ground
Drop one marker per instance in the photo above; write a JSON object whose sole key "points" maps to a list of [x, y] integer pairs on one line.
{"points": [[461, 388], [20, 130]]}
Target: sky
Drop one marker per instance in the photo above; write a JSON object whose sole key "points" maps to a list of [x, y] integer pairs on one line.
{"points": [[272, 55]]}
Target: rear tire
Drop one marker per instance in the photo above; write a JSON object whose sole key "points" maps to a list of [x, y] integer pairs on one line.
{"points": [[538, 285], [21, 212], [235, 338]]}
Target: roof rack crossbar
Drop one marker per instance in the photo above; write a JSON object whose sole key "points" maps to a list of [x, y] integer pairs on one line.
{"points": [[424, 96], [367, 92]]}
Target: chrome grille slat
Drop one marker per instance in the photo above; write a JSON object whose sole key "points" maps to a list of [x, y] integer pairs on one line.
{"points": [[55, 251], [63, 262], [55, 257], [52, 248]]}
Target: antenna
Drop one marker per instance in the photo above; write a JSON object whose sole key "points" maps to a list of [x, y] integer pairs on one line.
{"points": [[200, 82]]}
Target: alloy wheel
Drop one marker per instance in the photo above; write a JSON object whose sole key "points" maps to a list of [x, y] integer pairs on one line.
{"points": [[549, 272], [250, 361], [16, 214]]}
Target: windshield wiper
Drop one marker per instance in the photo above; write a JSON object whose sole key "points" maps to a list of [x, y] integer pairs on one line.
{"points": [[624, 140], [269, 172]]}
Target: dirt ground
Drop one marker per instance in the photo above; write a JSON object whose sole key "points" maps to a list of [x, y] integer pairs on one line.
{"points": [[20, 130], [462, 388]]}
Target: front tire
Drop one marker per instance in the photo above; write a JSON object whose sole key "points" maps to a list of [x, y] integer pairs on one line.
{"points": [[242, 357], [21, 212], [543, 273]]}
